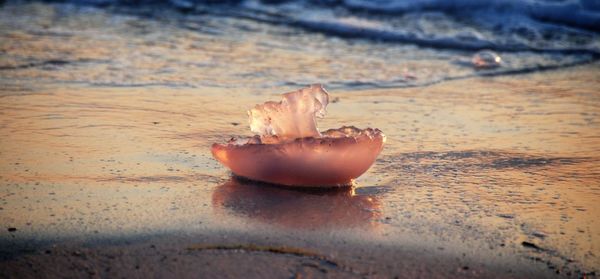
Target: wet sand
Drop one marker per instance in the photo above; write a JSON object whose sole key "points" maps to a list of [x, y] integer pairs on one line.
{"points": [[482, 177]]}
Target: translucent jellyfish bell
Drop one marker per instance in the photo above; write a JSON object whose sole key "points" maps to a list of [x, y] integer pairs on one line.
{"points": [[290, 150]]}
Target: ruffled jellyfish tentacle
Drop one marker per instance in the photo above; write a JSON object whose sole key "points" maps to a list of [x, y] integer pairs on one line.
{"points": [[294, 116]]}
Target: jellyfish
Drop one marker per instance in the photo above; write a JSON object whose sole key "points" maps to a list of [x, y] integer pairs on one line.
{"points": [[288, 148]]}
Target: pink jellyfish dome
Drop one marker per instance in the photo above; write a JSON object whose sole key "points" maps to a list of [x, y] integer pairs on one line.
{"points": [[289, 149]]}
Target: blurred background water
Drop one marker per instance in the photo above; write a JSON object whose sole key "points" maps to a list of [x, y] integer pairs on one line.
{"points": [[344, 44]]}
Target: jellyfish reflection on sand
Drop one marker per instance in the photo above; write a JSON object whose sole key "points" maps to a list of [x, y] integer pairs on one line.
{"points": [[297, 208], [290, 150]]}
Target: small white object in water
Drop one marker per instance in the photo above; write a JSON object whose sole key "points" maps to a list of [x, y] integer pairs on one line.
{"points": [[486, 59]]}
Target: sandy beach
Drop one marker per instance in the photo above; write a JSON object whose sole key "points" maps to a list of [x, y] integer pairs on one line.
{"points": [[107, 172], [424, 213]]}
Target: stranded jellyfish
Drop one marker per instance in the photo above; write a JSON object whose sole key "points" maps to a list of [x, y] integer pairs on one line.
{"points": [[289, 149]]}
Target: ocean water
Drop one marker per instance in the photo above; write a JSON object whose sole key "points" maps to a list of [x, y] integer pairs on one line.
{"points": [[345, 44], [108, 110]]}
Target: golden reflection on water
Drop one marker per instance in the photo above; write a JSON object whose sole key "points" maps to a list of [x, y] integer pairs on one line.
{"points": [[186, 53]]}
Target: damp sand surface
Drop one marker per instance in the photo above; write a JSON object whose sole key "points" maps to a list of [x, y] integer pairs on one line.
{"points": [[480, 176], [497, 180]]}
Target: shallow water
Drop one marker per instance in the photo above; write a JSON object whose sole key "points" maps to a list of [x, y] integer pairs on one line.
{"points": [[107, 117], [218, 47]]}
